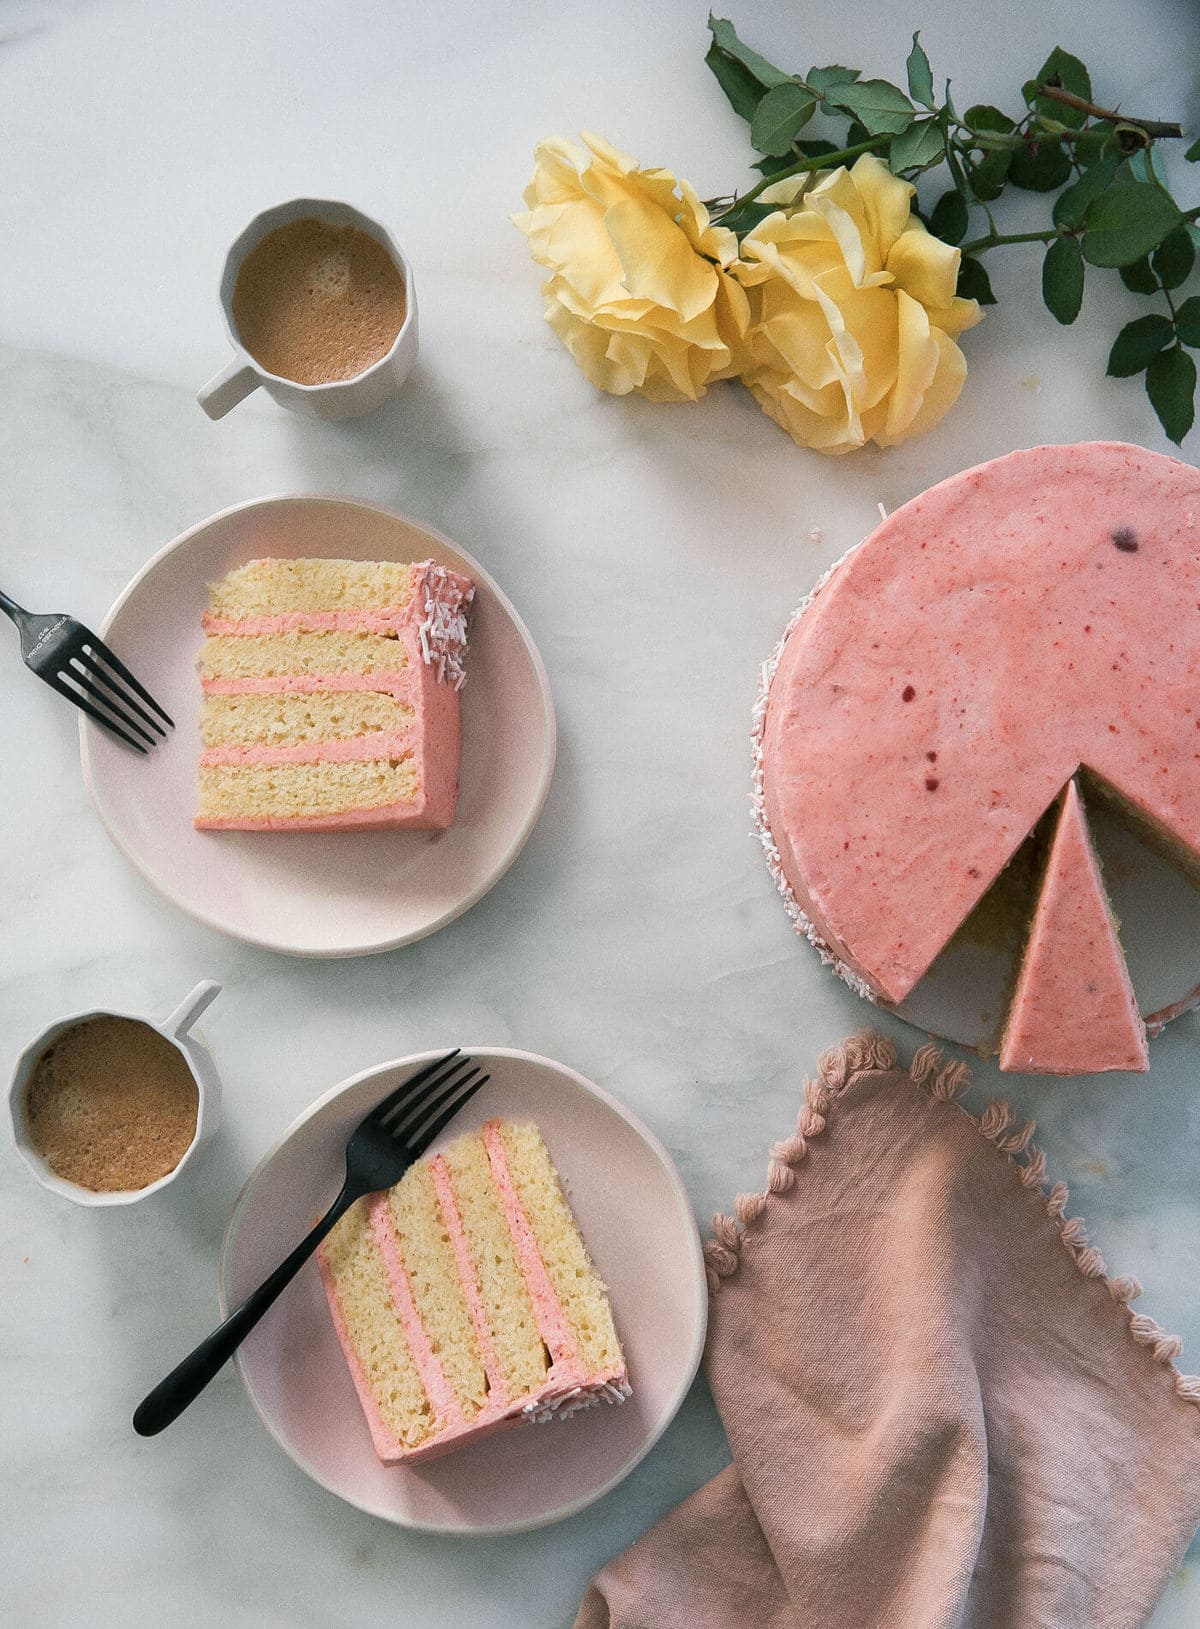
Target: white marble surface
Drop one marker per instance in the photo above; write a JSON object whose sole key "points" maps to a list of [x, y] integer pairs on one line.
{"points": [[655, 552]]}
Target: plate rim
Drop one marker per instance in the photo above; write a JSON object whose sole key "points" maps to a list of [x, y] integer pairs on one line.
{"points": [[698, 1279], [549, 736]]}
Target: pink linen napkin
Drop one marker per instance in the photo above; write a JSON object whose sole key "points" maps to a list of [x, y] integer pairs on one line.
{"points": [[943, 1413]]}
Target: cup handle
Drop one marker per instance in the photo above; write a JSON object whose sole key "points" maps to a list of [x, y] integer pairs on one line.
{"points": [[226, 389], [190, 1008]]}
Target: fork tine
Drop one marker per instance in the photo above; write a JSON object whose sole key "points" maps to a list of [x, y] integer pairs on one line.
{"points": [[85, 706], [79, 676], [418, 1143], [85, 662], [381, 1110], [100, 649], [401, 1122]]}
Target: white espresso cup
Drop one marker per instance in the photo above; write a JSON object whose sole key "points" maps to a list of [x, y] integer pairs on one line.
{"points": [[177, 1029], [338, 398]]}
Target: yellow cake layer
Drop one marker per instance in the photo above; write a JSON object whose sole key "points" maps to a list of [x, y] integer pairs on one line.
{"points": [[579, 1287], [374, 1328], [520, 1354], [437, 1290], [274, 656], [291, 718], [302, 791], [277, 587]]}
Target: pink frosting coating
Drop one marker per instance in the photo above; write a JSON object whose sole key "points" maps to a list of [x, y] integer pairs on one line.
{"points": [[1020, 620], [352, 749], [1074, 1011]]}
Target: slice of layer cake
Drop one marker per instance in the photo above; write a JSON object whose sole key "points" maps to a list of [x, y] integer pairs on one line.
{"points": [[331, 696], [465, 1299], [1074, 1011]]}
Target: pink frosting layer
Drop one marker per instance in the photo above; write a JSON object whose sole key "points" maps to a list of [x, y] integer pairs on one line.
{"points": [[1074, 1011], [383, 621], [498, 1390], [553, 1326], [437, 1386], [352, 749], [992, 636], [396, 684]]}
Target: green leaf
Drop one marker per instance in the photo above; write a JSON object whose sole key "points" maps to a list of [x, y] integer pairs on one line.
{"points": [[1062, 279], [920, 76], [949, 218], [739, 84], [1193, 153], [1096, 143], [1069, 74], [880, 108], [1137, 342], [917, 148], [820, 79], [974, 283], [987, 178], [1139, 277], [1187, 321], [1041, 168], [985, 117], [782, 114], [745, 217], [1171, 387], [1174, 258], [772, 166], [1125, 223], [725, 36], [1071, 204]]}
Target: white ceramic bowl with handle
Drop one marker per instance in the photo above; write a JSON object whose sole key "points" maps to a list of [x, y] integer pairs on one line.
{"points": [[177, 1029]]}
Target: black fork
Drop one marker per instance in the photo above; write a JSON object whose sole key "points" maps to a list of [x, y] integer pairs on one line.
{"points": [[381, 1148], [71, 660]]}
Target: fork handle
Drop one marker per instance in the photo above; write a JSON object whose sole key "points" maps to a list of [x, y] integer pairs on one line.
{"points": [[188, 1379], [18, 613]]}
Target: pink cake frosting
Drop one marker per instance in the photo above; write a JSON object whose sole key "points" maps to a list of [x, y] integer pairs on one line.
{"points": [[952, 673], [1074, 1011], [568, 1385], [432, 629]]}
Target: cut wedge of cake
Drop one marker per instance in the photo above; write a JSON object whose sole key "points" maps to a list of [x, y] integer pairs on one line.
{"points": [[331, 696], [1074, 1011], [465, 1299]]}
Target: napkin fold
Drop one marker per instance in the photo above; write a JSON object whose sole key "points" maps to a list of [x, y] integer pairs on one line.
{"points": [[943, 1412]]}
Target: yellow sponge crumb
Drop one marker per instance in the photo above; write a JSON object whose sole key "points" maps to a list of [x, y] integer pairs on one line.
{"points": [[276, 587]]}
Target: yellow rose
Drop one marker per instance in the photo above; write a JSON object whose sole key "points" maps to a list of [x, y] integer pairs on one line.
{"points": [[638, 291], [852, 312]]}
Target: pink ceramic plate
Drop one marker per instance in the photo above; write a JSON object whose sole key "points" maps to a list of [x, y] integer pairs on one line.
{"points": [[318, 894], [638, 1224]]}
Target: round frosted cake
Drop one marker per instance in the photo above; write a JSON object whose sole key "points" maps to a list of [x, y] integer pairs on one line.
{"points": [[1027, 626]]}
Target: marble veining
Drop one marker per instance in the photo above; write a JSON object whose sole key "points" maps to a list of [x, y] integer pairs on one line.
{"points": [[656, 554]]}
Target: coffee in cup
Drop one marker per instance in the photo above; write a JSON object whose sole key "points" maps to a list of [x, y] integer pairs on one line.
{"points": [[320, 310], [316, 302]]}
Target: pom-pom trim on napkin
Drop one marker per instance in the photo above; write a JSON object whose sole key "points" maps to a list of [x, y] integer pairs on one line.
{"points": [[867, 1053]]}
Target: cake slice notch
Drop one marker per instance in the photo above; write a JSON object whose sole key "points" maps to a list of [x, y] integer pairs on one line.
{"points": [[1074, 1010]]}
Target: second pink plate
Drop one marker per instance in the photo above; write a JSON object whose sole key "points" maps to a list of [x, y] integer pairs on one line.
{"points": [[635, 1216]]}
